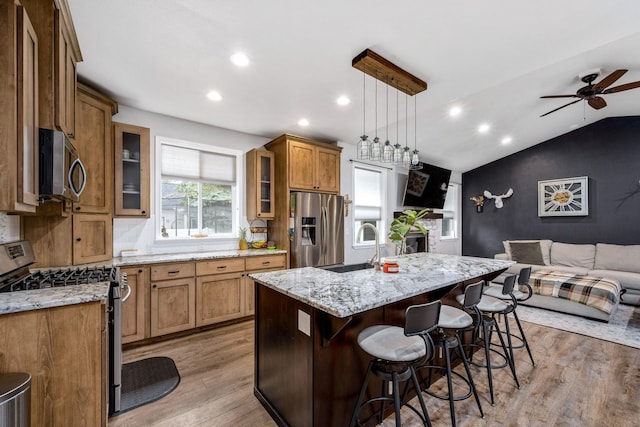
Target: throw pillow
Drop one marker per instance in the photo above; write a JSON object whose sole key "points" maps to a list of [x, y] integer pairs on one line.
{"points": [[545, 247], [526, 253]]}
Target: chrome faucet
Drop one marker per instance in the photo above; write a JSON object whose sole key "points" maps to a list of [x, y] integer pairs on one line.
{"points": [[375, 259]]}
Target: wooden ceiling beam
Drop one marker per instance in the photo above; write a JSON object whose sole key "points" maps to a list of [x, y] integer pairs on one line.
{"points": [[380, 68]]}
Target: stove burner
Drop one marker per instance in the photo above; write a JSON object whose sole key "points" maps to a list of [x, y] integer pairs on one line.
{"points": [[63, 277]]}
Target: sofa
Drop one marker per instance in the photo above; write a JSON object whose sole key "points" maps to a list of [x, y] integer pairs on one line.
{"points": [[618, 262]]}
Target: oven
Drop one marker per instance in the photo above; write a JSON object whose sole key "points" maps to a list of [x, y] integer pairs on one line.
{"points": [[15, 259]]}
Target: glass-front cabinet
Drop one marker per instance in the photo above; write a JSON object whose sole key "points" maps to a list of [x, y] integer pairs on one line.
{"points": [[260, 174], [131, 170]]}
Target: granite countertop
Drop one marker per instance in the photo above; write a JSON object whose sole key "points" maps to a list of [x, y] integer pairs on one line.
{"points": [[346, 294], [192, 256], [14, 302]]}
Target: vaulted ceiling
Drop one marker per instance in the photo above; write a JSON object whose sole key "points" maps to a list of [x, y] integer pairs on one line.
{"points": [[492, 58]]}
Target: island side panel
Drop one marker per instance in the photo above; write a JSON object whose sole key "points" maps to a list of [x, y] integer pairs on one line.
{"points": [[283, 358]]}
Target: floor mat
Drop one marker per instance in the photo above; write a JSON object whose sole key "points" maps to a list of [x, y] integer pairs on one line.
{"points": [[146, 381]]}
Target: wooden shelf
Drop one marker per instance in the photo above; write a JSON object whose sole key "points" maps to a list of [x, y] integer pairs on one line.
{"points": [[380, 68]]}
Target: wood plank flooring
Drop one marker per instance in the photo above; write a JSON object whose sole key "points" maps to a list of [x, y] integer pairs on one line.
{"points": [[577, 381]]}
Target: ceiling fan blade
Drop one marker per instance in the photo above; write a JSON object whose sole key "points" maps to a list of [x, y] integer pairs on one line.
{"points": [[609, 80], [560, 96], [620, 88], [597, 102], [566, 105]]}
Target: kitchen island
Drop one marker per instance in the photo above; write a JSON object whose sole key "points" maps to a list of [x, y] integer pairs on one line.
{"points": [[308, 366]]}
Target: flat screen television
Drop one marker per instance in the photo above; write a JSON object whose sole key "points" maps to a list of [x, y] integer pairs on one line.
{"points": [[427, 187]]}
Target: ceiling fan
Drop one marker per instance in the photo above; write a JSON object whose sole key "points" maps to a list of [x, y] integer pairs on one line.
{"points": [[591, 92]]}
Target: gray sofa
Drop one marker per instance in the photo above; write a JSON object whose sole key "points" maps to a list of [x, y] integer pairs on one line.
{"points": [[619, 262]]}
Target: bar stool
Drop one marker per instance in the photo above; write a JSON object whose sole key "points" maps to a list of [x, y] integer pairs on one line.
{"points": [[452, 318], [515, 296], [396, 352], [489, 307]]}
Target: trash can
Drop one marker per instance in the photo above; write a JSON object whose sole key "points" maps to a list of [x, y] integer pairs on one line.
{"points": [[15, 400]]}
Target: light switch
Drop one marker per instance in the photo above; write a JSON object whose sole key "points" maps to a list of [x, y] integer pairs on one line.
{"points": [[304, 323]]}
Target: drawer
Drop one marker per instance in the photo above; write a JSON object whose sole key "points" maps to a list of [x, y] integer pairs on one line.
{"points": [[172, 271], [268, 261], [225, 265]]}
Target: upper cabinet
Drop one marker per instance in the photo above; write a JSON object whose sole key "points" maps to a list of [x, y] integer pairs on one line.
{"points": [[312, 165], [66, 56], [19, 104], [260, 185], [93, 140], [131, 152]]}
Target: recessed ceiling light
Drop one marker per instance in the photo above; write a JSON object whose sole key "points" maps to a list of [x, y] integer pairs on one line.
{"points": [[484, 128], [240, 59], [343, 100], [303, 122], [455, 111], [506, 140], [214, 95]]}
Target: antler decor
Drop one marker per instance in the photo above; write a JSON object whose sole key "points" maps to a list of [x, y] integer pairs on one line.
{"points": [[479, 201], [498, 199]]}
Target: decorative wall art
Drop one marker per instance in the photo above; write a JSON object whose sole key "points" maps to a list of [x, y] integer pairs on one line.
{"points": [[479, 201], [498, 199], [563, 197]]}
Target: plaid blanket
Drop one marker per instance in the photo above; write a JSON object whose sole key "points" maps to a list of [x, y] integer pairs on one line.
{"points": [[597, 292]]}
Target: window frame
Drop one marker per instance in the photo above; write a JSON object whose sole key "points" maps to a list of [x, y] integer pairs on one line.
{"points": [[382, 235], [237, 189], [456, 214]]}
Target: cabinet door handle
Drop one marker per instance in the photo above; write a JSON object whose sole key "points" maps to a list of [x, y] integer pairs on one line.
{"points": [[173, 272], [266, 262], [222, 267]]}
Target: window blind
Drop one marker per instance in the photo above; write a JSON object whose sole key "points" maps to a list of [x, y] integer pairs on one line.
{"points": [[367, 203], [183, 162]]}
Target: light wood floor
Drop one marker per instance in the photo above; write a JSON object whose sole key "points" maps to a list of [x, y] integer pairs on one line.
{"points": [[577, 381]]}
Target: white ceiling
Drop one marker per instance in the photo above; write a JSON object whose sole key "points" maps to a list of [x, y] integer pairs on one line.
{"points": [[494, 58]]}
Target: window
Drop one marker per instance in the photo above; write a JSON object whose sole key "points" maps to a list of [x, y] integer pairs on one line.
{"points": [[450, 213], [369, 189], [198, 194]]}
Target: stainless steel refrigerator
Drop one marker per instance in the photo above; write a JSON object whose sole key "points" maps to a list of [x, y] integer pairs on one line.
{"points": [[318, 229]]}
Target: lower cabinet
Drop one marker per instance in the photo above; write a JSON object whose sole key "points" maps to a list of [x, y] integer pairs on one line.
{"points": [[176, 297], [135, 312]]}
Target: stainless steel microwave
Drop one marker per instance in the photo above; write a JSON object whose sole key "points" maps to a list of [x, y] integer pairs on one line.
{"points": [[62, 175]]}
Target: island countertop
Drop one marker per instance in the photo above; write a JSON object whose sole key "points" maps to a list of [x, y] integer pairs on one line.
{"points": [[345, 294]]}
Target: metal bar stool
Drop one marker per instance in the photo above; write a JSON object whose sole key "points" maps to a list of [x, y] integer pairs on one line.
{"points": [[516, 295], [396, 352], [489, 307], [454, 319]]}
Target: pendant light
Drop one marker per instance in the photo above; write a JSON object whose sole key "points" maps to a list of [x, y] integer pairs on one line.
{"points": [[397, 148], [376, 148], [416, 164], [387, 149], [364, 145], [406, 154]]}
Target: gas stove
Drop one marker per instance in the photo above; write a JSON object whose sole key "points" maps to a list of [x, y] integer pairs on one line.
{"points": [[16, 257]]}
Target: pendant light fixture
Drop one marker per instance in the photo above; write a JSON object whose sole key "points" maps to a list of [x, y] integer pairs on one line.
{"points": [[376, 148], [397, 148], [416, 164], [387, 149], [385, 71], [364, 145]]}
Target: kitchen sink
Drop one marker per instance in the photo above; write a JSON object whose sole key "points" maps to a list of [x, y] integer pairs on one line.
{"points": [[349, 267]]}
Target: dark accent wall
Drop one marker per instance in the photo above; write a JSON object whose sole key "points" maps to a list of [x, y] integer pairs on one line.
{"points": [[608, 152]]}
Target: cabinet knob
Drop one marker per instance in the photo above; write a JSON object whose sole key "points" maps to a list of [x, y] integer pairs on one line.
{"points": [[140, 271], [77, 208], [154, 286], [78, 239], [144, 212]]}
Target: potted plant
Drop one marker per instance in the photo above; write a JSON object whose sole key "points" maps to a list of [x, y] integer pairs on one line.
{"points": [[408, 221], [242, 243]]}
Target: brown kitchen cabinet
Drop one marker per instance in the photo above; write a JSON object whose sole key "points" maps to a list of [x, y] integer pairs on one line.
{"points": [[135, 309], [173, 297], [219, 290], [258, 265], [94, 143], [131, 168], [66, 56], [260, 184], [65, 350], [313, 167], [19, 103], [92, 238]]}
